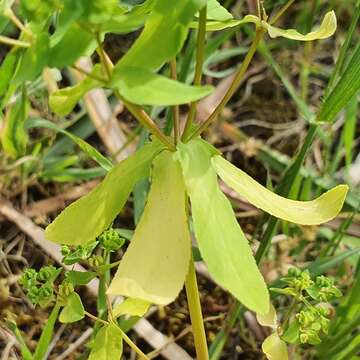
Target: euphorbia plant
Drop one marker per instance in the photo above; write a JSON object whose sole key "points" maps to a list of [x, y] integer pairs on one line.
{"points": [[183, 168]]}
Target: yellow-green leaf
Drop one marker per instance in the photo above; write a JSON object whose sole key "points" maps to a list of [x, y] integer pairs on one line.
{"points": [[269, 319], [133, 307], [89, 216], [107, 344], [275, 348], [221, 241], [73, 310], [142, 87], [156, 263], [215, 11], [314, 212], [63, 101], [326, 29]]}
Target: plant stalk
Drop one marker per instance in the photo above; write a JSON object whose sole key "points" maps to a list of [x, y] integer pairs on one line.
{"points": [[233, 87], [139, 114], [197, 322], [200, 45], [9, 41], [175, 108]]}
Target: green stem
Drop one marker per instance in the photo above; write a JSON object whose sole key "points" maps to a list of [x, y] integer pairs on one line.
{"points": [[175, 108], [197, 322], [200, 45], [233, 87], [281, 12], [9, 41], [139, 114], [145, 120]]}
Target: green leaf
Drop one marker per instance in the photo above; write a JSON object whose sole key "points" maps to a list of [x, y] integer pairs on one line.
{"points": [[63, 101], [107, 344], [5, 5], [142, 87], [314, 212], [215, 11], [269, 319], [80, 277], [345, 89], [325, 30], [349, 130], [83, 145], [164, 34], [73, 310], [34, 59], [133, 307], [46, 334], [221, 241], [275, 348], [89, 216], [14, 137], [76, 42], [7, 70], [156, 262]]}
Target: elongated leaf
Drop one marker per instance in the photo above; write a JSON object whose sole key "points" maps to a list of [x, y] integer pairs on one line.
{"points": [[215, 11], [34, 59], [83, 145], [75, 43], [73, 310], [156, 262], [348, 134], [7, 70], [133, 307], [142, 87], [164, 34], [80, 277], [46, 334], [63, 101], [107, 344], [269, 319], [275, 348], [14, 137], [326, 29], [89, 216], [221, 241], [317, 211], [347, 87]]}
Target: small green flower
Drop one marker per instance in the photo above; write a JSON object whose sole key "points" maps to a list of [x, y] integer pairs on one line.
{"points": [[110, 240]]}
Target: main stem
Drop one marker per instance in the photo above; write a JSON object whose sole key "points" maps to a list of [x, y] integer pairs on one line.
{"points": [[233, 87], [197, 322], [200, 45]]}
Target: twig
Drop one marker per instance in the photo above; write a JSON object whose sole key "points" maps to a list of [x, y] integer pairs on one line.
{"points": [[9, 41]]}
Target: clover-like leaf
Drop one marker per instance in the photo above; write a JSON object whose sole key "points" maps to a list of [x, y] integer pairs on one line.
{"points": [[314, 212], [157, 260], [275, 348], [221, 241], [142, 87], [107, 344], [89, 216], [73, 310]]}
